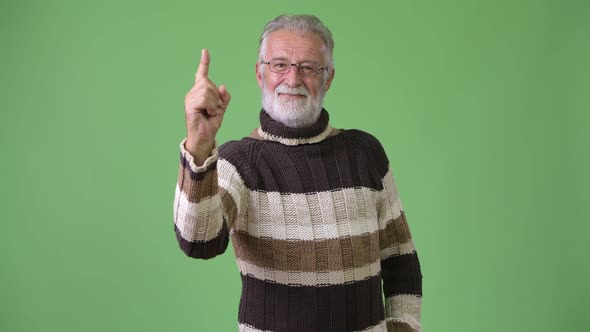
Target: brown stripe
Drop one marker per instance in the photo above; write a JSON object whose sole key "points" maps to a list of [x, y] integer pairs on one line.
{"points": [[197, 190], [279, 167], [229, 206], [204, 249], [401, 275], [396, 232], [269, 306], [398, 326], [308, 256]]}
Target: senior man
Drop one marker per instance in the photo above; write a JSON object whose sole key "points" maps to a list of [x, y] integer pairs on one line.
{"points": [[313, 212]]}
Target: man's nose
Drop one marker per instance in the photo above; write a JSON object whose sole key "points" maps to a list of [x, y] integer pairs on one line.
{"points": [[293, 78]]}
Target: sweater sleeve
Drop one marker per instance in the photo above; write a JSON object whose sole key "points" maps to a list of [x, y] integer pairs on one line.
{"points": [[200, 220], [400, 267]]}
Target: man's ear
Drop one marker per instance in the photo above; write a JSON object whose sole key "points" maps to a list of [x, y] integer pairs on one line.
{"points": [[258, 74], [330, 78]]}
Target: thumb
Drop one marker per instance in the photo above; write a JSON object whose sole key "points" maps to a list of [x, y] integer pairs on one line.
{"points": [[224, 94]]}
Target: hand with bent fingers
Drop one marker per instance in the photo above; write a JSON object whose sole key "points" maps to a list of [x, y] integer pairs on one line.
{"points": [[204, 107]]}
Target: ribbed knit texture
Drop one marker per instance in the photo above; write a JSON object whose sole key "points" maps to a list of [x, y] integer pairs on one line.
{"points": [[317, 227]]}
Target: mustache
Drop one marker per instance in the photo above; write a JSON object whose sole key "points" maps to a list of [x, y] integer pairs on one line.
{"points": [[300, 90]]}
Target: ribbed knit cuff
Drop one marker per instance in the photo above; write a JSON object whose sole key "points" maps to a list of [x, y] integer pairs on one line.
{"points": [[191, 160], [403, 311], [393, 326]]}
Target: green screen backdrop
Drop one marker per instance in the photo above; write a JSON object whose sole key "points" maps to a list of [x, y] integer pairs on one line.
{"points": [[482, 106]]}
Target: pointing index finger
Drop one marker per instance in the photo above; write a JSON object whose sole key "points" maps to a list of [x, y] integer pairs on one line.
{"points": [[203, 70]]}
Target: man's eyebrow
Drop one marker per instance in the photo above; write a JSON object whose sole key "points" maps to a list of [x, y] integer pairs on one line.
{"points": [[311, 61], [302, 61], [281, 58]]}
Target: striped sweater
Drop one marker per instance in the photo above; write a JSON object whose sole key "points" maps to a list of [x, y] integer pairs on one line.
{"points": [[317, 227]]}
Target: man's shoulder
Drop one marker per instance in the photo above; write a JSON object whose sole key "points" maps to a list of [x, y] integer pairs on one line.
{"points": [[360, 134], [363, 138], [233, 148], [367, 143]]}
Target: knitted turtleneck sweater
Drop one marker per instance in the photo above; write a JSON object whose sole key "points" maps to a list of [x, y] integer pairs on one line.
{"points": [[316, 224]]}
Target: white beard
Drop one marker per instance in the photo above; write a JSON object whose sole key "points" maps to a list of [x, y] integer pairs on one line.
{"points": [[298, 112]]}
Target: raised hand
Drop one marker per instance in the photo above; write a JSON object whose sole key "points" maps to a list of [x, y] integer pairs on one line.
{"points": [[204, 107]]}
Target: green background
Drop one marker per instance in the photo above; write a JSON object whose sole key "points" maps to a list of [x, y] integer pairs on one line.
{"points": [[482, 106]]}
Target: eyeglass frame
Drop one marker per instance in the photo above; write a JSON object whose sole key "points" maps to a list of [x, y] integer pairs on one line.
{"points": [[298, 66]]}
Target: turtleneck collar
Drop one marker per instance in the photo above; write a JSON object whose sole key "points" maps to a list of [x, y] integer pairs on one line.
{"points": [[273, 130]]}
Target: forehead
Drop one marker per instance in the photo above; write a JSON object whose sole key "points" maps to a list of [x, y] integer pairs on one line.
{"points": [[295, 46]]}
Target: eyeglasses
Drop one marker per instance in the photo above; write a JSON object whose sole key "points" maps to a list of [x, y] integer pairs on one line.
{"points": [[283, 66]]}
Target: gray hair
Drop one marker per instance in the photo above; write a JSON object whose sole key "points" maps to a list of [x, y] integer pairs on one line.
{"points": [[301, 24]]}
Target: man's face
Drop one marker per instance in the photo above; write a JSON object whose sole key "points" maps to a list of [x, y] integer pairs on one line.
{"points": [[291, 98]]}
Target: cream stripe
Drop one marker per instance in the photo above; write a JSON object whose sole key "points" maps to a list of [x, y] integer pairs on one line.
{"points": [[405, 308], [295, 141], [230, 180], [398, 249], [381, 327], [392, 205], [324, 278], [322, 215], [197, 221]]}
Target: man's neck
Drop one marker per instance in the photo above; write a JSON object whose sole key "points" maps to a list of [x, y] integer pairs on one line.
{"points": [[254, 134]]}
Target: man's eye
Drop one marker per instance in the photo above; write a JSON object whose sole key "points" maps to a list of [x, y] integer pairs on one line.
{"points": [[280, 65], [307, 69]]}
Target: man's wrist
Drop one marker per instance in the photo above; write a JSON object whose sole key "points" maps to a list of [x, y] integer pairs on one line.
{"points": [[198, 166], [199, 150]]}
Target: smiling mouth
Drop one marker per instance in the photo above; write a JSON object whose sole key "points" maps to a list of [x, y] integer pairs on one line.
{"points": [[288, 95]]}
